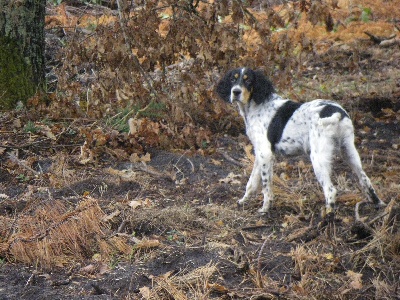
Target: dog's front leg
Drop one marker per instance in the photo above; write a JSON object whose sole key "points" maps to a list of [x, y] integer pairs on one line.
{"points": [[253, 184], [266, 168]]}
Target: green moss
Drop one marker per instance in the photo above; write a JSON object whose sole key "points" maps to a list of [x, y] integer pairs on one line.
{"points": [[15, 75]]}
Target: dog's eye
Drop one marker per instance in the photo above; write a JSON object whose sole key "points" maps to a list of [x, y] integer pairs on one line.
{"points": [[235, 77], [246, 79]]}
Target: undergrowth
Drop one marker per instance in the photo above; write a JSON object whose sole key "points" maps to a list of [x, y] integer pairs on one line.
{"points": [[169, 54]]}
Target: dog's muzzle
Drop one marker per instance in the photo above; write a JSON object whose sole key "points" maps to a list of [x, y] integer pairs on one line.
{"points": [[236, 94]]}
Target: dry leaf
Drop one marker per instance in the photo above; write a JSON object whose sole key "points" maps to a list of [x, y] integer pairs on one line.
{"points": [[145, 291], [355, 279], [111, 216], [47, 131], [136, 158], [135, 203], [145, 158], [144, 203], [347, 220], [96, 257], [89, 269], [231, 178], [120, 154], [147, 202], [17, 123], [260, 223], [168, 274], [217, 288], [219, 223], [103, 269], [148, 244], [216, 162], [126, 174], [248, 149]]}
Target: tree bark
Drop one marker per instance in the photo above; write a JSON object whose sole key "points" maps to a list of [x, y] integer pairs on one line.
{"points": [[21, 50]]}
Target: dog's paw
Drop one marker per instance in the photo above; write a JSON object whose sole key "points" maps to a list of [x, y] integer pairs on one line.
{"points": [[327, 221], [328, 217], [263, 211], [380, 205], [241, 202]]}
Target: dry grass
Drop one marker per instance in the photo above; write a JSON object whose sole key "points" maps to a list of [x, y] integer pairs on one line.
{"points": [[56, 234], [196, 284]]}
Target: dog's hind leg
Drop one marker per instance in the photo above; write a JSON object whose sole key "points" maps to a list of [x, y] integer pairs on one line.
{"points": [[322, 146], [353, 159], [321, 158]]}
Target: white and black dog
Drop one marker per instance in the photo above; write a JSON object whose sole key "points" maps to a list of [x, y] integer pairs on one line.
{"points": [[280, 126]]}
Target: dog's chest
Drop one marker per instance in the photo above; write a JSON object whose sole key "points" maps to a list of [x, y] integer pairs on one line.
{"points": [[258, 119]]}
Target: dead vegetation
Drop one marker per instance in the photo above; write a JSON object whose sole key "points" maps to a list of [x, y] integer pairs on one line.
{"points": [[96, 205]]}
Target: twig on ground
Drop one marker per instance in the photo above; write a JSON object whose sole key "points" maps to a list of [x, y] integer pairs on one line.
{"points": [[381, 215], [383, 41], [230, 159], [152, 172], [259, 279], [30, 280], [122, 226], [254, 227], [22, 164]]}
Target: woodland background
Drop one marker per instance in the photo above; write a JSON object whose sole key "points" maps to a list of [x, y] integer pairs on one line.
{"points": [[94, 208]]}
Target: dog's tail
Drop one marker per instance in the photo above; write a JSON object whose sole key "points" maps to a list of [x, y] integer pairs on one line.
{"points": [[336, 126], [330, 121]]}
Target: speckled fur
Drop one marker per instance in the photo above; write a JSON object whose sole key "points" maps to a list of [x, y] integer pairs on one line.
{"points": [[319, 128]]}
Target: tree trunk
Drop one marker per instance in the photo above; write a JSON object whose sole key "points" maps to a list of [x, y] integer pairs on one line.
{"points": [[21, 50]]}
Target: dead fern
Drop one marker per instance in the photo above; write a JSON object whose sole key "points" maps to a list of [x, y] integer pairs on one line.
{"points": [[55, 235]]}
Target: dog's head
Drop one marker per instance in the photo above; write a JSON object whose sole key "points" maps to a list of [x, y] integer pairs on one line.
{"points": [[243, 85]]}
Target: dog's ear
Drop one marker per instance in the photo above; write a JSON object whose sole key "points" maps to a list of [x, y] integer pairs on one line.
{"points": [[224, 87], [262, 87]]}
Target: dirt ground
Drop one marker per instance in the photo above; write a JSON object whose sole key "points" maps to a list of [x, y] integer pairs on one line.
{"points": [[168, 227]]}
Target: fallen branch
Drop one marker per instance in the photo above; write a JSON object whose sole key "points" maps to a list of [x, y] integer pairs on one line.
{"points": [[230, 159], [259, 277], [255, 227], [383, 41], [22, 164], [359, 219]]}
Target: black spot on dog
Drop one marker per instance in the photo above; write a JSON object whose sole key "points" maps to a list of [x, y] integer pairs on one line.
{"points": [[330, 109], [374, 197], [279, 121]]}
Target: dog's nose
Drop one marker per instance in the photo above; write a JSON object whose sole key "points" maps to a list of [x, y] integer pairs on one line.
{"points": [[236, 92]]}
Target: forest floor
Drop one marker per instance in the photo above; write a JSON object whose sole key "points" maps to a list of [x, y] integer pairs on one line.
{"points": [[167, 226]]}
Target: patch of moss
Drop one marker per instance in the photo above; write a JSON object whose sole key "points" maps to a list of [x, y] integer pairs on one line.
{"points": [[15, 75]]}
